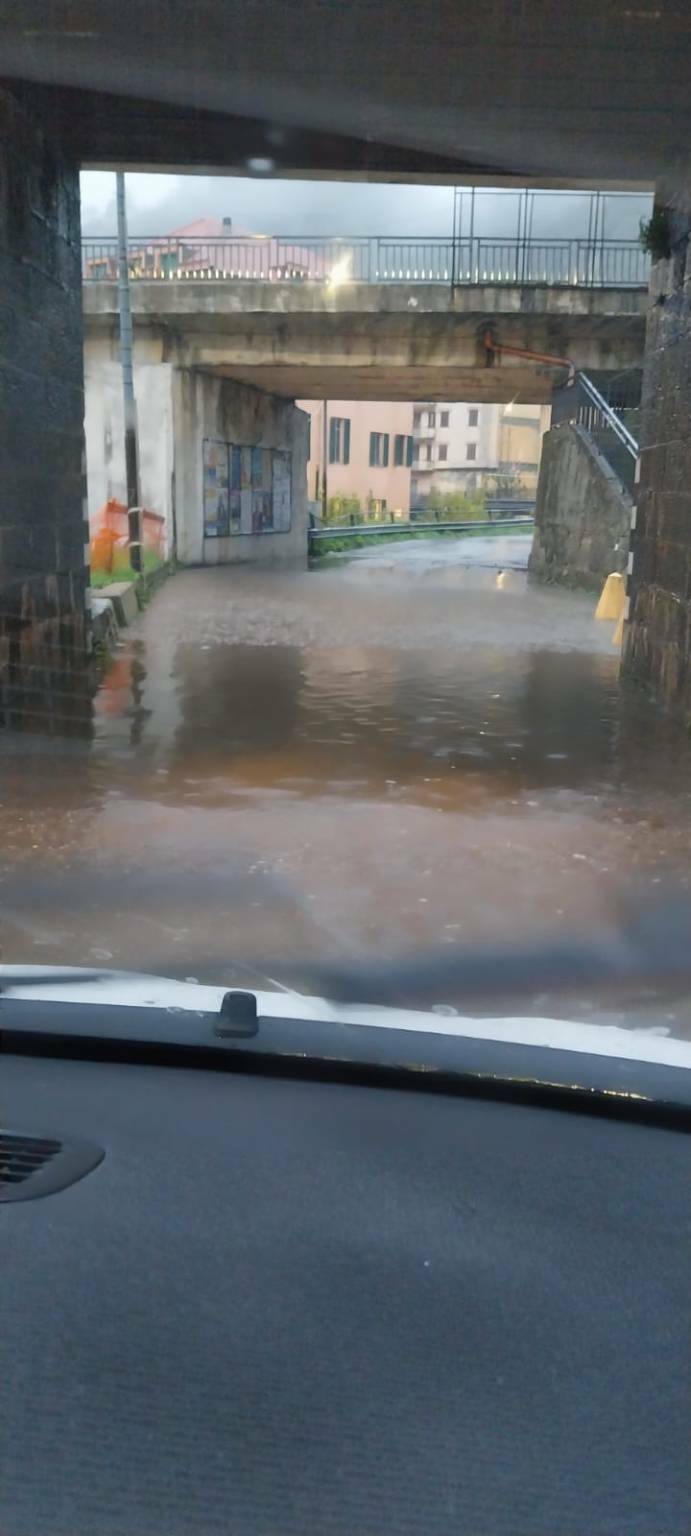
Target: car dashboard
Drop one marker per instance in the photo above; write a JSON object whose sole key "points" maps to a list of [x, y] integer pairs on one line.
{"points": [[302, 1302]]}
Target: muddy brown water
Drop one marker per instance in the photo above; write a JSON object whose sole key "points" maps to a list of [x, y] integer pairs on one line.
{"points": [[409, 746]]}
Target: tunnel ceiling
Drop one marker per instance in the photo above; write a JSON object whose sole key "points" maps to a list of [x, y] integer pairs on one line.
{"points": [[580, 92]]}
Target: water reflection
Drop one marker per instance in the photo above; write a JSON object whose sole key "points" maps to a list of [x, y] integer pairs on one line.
{"points": [[391, 751]]}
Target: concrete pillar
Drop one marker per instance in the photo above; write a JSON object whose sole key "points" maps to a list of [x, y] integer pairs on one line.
{"points": [[657, 645], [43, 577]]}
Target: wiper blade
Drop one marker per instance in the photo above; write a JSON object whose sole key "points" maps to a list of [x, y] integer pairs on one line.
{"points": [[15, 980]]}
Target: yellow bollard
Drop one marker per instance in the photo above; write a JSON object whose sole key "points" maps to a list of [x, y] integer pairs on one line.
{"points": [[618, 635], [611, 604]]}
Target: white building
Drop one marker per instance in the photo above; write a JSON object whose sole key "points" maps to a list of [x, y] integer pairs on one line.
{"points": [[455, 447], [460, 446]]}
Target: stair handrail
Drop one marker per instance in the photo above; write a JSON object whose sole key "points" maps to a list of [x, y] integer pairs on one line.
{"points": [[605, 410]]}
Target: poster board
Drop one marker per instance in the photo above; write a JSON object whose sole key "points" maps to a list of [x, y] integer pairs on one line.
{"points": [[281, 491], [215, 488], [247, 489]]}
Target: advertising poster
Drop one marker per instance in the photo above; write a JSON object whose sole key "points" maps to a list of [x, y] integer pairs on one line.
{"points": [[257, 469], [235, 498], [247, 489], [281, 492], [262, 512], [215, 489], [246, 511]]}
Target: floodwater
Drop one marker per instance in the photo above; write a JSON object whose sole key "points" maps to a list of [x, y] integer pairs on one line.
{"points": [[408, 746]]}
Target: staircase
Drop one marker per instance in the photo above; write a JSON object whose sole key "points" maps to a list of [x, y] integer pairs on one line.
{"points": [[607, 418]]}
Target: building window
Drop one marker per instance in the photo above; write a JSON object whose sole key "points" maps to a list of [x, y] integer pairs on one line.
{"points": [[444, 419], [471, 451], [442, 453], [431, 418], [379, 449], [402, 450], [428, 453], [473, 416], [339, 440]]}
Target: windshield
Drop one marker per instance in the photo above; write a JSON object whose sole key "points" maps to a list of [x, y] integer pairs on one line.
{"points": [[343, 694]]}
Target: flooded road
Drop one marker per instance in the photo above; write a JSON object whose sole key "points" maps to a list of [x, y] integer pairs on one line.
{"points": [[405, 746]]}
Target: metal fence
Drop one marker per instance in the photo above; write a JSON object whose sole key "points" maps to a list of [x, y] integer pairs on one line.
{"points": [[373, 259]]}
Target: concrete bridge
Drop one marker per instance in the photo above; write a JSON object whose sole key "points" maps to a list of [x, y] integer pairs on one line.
{"points": [[385, 340]]}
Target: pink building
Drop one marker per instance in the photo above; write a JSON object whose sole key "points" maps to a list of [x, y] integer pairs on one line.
{"points": [[212, 247], [368, 447]]}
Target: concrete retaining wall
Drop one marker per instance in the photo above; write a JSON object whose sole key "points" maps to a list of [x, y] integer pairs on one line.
{"points": [[582, 514], [206, 406]]}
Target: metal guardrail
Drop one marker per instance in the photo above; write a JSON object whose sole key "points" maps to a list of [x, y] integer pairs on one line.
{"points": [[465, 261], [354, 531], [496, 508]]}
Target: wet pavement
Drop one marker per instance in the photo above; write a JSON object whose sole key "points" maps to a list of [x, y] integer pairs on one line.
{"points": [[403, 746]]}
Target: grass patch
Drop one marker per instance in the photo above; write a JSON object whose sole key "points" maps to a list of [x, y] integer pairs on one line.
{"points": [[122, 570]]}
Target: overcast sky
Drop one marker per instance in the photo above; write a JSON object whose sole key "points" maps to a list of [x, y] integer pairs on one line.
{"points": [[158, 203]]}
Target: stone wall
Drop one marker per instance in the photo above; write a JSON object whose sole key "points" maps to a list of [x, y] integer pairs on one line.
{"points": [[657, 642], [582, 513], [42, 536], [206, 406]]}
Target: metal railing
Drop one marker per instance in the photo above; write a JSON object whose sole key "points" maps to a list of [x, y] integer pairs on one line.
{"points": [[373, 259], [405, 527], [608, 426]]}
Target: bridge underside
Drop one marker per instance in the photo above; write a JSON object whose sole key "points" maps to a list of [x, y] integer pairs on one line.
{"points": [[585, 92], [379, 341], [396, 382]]}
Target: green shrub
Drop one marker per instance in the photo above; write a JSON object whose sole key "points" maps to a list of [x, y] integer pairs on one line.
{"points": [[344, 509], [456, 506], [655, 234]]}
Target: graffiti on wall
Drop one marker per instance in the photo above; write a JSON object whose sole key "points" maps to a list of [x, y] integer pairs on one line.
{"points": [[110, 536], [246, 489]]}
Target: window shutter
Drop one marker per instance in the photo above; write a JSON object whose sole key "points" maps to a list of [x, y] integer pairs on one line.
{"points": [[409, 452], [385, 438], [373, 448], [346, 440], [333, 440]]}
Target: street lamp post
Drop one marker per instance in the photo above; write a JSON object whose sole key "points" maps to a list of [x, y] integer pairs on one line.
{"points": [[130, 406], [325, 455]]}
